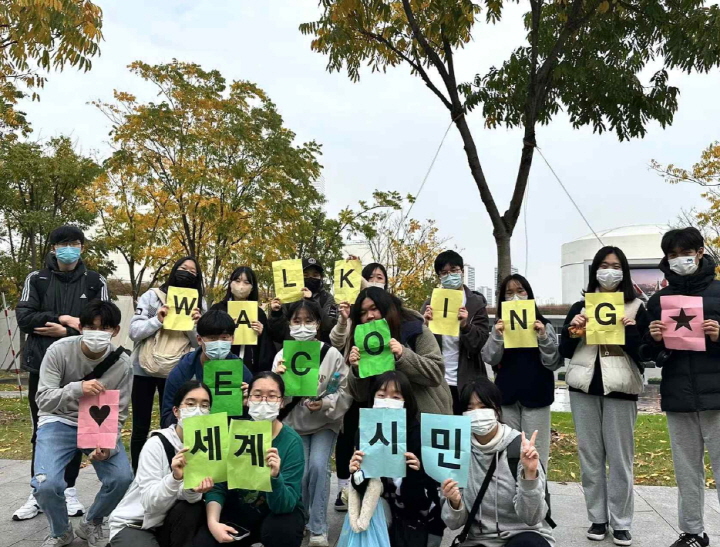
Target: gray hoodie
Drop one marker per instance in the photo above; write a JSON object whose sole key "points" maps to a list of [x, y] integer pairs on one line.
{"points": [[509, 507]]}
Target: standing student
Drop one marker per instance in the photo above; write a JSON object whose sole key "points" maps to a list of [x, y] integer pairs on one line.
{"points": [[156, 510], [243, 287], [66, 365], [604, 384], [317, 422], [690, 387], [157, 351], [461, 354], [49, 307], [314, 291], [525, 375]]}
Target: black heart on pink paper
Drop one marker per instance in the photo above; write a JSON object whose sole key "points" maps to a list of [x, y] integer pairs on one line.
{"points": [[99, 414]]}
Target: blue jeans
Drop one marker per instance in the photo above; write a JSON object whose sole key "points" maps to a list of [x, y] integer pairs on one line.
{"points": [[316, 481], [55, 446]]}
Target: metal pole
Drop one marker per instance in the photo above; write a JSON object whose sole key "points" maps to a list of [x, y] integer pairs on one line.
{"points": [[12, 345]]}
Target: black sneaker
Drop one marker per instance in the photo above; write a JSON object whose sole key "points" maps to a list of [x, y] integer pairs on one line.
{"points": [[622, 537], [340, 504], [597, 532], [692, 540]]}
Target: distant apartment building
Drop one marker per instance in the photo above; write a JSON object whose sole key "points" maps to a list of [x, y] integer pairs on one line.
{"points": [[469, 276], [513, 271], [489, 294]]}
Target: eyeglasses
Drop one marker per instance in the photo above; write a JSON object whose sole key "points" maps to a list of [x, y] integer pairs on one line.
{"points": [[193, 405], [255, 398], [455, 270]]}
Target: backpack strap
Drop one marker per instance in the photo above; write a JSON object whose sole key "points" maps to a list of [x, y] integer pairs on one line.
{"points": [[106, 363], [161, 295], [169, 448], [462, 536], [287, 409]]}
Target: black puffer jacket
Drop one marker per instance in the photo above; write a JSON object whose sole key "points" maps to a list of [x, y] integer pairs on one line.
{"points": [[690, 379], [47, 294]]}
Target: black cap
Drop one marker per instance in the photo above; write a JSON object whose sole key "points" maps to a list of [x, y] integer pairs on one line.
{"points": [[312, 263]]}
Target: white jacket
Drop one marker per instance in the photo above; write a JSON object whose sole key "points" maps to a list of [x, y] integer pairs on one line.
{"points": [[154, 491], [619, 372]]}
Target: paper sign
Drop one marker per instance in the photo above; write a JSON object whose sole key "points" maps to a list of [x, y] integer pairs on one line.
{"points": [[206, 437], [347, 280], [98, 420], [244, 314], [373, 341], [383, 440], [289, 280], [249, 443], [519, 319], [225, 378], [180, 303], [302, 364], [683, 316], [605, 311], [446, 447], [445, 304]]}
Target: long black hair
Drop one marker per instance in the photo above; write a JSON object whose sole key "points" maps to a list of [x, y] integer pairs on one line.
{"points": [[528, 289], [368, 270], [198, 278], [402, 384], [487, 392], [390, 306], [626, 285], [251, 277]]}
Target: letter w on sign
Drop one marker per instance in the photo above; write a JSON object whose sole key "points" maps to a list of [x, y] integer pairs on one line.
{"points": [[605, 311], [347, 280], [181, 303]]}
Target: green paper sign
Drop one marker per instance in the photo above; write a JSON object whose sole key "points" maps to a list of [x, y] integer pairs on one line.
{"points": [[302, 363], [225, 378], [249, 443], [373, 341], [206, 437]]}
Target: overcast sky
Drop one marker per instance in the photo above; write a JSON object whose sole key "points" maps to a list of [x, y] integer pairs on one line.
{"points": [[383, 131]]}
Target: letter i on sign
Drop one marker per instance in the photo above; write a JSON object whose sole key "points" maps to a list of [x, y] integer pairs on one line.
{"points": [[446, 305]]}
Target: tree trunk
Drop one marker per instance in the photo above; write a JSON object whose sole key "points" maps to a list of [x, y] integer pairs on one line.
{"points": [[504, 259]]}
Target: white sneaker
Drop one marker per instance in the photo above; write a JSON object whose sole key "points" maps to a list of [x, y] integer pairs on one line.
{"points": [[318, 540], [28, 511], [74, 507], [66, 539], [93, 533]]}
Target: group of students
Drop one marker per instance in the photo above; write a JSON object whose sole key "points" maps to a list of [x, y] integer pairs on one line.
{"points": [[70, 321]]}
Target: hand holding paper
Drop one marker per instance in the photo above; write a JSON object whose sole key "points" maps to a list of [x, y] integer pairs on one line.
{"points": [[518, 324], [244, 314], [683, 318], [446, 305], [181, 303], [347, 280], [604, 312], [289, 281], [98, 425]]}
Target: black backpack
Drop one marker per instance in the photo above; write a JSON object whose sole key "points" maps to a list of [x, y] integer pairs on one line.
{"points": [[169, 448]]}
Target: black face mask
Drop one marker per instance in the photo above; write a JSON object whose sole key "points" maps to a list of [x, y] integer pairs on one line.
{"points": [[313, 284], [185, 279]]}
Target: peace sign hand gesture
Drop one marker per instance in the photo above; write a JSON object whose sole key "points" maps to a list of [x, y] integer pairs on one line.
{"points": [[529, 456]]}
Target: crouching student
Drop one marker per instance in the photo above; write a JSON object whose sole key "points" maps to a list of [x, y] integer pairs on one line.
{"points": [[512, 508], [156, 510], [74, 367], [277, 518]]}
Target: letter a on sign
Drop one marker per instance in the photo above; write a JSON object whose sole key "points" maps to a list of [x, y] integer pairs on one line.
{"points": [[605, 311], [180, 303], [244, 313], [289, 281], [446, 304], [519, 318], [347, 280]]}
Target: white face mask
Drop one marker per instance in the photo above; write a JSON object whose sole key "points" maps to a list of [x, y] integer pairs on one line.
{"points": [[683, 265], [303, 333], [263, 411], [96, 340], [482, 420], [609, 279], [517, 296], [376, 285], [388, 403], [240, 290], [186, 413]]}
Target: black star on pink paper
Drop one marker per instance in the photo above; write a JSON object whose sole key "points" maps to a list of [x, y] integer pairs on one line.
{"points": [[683, 320]]}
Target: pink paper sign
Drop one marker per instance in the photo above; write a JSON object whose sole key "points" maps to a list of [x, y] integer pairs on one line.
{"points": [[98, 420], [683, 318]]}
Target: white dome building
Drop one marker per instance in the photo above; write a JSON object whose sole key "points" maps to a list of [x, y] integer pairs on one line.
{"points": [[641, 245]]}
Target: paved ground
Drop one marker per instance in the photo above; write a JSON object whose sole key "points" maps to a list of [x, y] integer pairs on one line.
{"points": [[655, 512]]}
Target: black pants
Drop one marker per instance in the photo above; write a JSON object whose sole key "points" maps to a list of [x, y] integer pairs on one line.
{"points": [[73, 468], [143, 399], [181, 524], [345, 446], [527, 539], [457, 407]]}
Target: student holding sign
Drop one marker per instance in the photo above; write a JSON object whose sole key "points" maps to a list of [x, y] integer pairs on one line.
{"points": [[214, 337], [157, 511], [276, 518], [157, 350], [243, 287], [74, 367], [318, 421], [507, 485], [412, 345], [461, 351], [524, 374], [690, 388], [604, 382]]}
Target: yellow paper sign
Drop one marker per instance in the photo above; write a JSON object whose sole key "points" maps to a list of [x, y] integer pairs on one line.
{"points": [[347, 280], [244, 314], [180, 303], [289, 280], [446, 304], [605, 311], [519, 318]]}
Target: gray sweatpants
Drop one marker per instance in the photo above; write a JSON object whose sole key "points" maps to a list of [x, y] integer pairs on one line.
{"points": [[605, 430], [528, 420], [690, 434]]}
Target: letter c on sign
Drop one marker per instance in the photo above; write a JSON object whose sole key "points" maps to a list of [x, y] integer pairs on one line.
{"points": [[293, 363], [611, 316], [381, 343]]}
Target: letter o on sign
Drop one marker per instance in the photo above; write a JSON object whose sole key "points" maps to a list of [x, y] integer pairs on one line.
{"points": [[372, 350]]}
